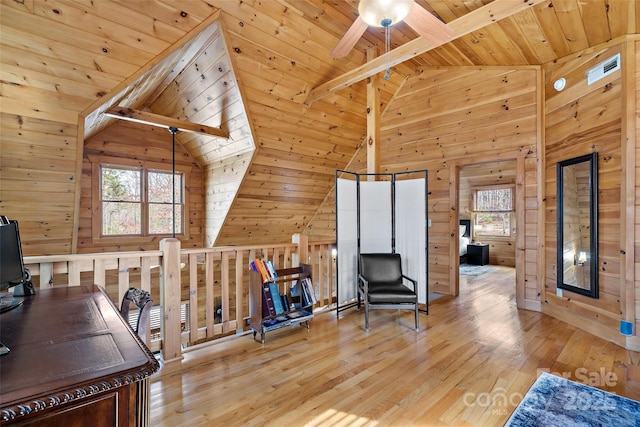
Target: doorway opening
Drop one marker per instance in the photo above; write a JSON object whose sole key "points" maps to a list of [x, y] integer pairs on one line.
{"points": [[487, 223]]}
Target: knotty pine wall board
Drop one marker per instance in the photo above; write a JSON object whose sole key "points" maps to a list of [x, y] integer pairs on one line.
{"points": [[591, 121], [44, 152]]}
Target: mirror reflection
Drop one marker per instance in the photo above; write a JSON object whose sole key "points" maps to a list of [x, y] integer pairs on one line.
{"points": [[577, 224]]}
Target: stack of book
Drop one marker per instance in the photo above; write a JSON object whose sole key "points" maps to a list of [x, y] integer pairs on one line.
{"points": [[304, 290], [274, 303], [265, 268]]}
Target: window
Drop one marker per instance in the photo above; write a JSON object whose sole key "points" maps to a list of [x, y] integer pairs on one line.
{"points": [[138, 201], [160, 202], [493, 208]]}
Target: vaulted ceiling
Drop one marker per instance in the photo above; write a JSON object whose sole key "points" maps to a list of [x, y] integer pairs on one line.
{"points": [[248, 68]]}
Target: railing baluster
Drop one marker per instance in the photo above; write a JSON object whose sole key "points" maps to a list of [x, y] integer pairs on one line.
{"points": [[193, 297], [73, 273], [209, 297], [145, 274], [240, 295], [99, 273], [224, 283], [123, 277], [46, 275]]}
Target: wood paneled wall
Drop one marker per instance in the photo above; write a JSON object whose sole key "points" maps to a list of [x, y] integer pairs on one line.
{"points": [[38, 173], [502, 250], [445, 118], [146, 145], [632, 132], [579, 120]]}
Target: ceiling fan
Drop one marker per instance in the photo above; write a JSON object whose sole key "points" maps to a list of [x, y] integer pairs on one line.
{"points": [[385, 13]]}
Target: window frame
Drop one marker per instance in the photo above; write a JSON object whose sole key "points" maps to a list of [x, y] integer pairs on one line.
{"points": [[510, 212], [98, 162], [147, 204]]}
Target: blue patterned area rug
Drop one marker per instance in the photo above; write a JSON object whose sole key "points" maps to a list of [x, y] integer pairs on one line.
{"points": [[556, 401], [475, 270]]}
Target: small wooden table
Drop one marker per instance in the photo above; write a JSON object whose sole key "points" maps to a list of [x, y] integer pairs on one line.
{"points": [[73, 360]]}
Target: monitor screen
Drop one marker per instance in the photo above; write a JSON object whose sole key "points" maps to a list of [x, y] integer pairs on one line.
{"points": [[11, 264]]}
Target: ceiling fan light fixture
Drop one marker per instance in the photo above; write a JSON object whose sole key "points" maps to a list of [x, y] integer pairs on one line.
{"points": [[383, 13]]}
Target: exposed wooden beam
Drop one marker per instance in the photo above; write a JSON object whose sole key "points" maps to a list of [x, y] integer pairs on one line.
{"points": [[472, 21], [152, 119], [373, 121]]}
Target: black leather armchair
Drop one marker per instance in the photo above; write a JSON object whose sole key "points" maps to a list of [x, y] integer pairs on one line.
{"points": [[381, 284]]}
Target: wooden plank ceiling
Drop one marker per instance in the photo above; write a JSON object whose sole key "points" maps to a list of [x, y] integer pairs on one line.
{"points": [[246, 67]]}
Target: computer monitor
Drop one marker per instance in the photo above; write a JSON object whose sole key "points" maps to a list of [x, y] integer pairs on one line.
{"points": [[12, 270], [11, 265]]}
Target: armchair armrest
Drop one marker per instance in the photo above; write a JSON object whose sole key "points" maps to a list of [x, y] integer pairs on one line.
{"points": [[415, 282], [364, 282]]}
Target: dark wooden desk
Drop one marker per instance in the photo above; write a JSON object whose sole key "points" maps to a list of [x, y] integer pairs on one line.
{"points": [[73, 361]]}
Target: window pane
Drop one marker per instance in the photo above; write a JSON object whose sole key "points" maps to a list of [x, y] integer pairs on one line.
{"points": [[121, 184], [121, 218], [493, 224], [493, 200], [159, 190], [161, 218]]}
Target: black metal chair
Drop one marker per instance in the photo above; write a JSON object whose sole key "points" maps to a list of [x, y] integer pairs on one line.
{"points": [[381, 284], [141, 299]]}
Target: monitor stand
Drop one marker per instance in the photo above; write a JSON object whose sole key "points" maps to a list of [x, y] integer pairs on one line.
{"points": [[9, 303], [24, 289]]}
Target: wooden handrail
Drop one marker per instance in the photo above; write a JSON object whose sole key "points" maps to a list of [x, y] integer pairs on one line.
{"points": [[206, 290]]}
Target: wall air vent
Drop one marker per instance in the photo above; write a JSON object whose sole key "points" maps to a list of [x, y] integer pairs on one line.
{"points": [[603, 69]]}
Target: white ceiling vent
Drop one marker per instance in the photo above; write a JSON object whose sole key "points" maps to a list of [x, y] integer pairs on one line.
{"points": [[604, 68]]}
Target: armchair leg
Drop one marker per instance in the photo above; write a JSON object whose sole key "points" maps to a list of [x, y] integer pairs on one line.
{"points": [[416, 310], [366, 316]]}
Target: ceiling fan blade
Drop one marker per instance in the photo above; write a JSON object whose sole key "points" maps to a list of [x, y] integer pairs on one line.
{"points": [[350, 38], [428, 26]]}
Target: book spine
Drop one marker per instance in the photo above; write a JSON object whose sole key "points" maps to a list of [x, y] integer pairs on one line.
{"points": [[268, 308], [277, 299], [272, 270], [262, 270], [296, 295], [305, 299], [310, 291], [286, 302], [265, 267]]}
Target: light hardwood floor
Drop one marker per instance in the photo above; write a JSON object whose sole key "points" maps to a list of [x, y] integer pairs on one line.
{"points": [[471, 355]]}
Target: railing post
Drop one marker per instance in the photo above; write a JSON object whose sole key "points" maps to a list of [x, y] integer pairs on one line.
{"points": [[170, 288], [302, 256]]}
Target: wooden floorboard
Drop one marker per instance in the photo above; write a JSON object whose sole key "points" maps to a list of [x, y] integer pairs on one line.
{"points": [[469, 365]]}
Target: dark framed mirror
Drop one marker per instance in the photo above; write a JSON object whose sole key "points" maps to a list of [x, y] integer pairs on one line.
{"points": [[578, 225]]}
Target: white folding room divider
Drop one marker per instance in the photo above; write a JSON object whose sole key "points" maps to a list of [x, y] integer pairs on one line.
{"points": [[386, 215]]}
